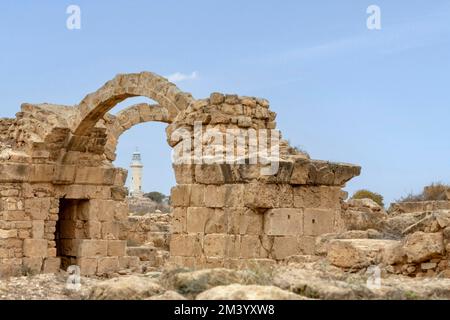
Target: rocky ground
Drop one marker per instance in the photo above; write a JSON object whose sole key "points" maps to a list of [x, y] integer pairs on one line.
{"points": [[308, 277]]}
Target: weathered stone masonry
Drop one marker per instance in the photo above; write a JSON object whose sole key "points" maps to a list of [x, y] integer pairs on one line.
{"points": [[63, 202]]}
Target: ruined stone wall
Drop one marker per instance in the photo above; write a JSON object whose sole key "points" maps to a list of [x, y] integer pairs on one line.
{"points": [[419, 206], [63, 202], [233, 214], [232, 220], [152, 229]]}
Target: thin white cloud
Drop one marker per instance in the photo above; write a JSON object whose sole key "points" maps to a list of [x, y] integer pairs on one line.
{"points": [[179, 77]]}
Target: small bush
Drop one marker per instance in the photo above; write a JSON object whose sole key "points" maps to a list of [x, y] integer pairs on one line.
{"points": [[366, 194], [434, 192], [158, 197]]}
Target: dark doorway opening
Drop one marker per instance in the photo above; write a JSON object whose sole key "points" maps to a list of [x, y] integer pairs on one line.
{"points": [[70, 228]]}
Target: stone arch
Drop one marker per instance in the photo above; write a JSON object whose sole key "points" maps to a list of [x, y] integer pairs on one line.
{"points": [[94, 107], [129, 117]]}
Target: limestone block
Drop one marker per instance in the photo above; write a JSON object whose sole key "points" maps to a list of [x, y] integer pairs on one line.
{"points": [[128, 262], [209, 174], [11, 243], [144, 253], [51, 265], [216, 98], [179, 220], [215, 196], [184, 173], [9, 192], [38, 229], [259, 195], [286, 196], [93, 230], [15, 216], [41, 173], [88, 266], [64, 174], [251, 247], [197, 195], [96, 209], [51, 252], [110, 230], [38, 208], [282, 176], [92, 248], [358, 253], [284, 247], [35, 248], [11, 267], [121, 210], [119, 193], [420, 246], [234, 195], [300, 172], [14, 172], [120, 177], [249, 222], [23, 234], [307, 197], [95, 175], [283, 222], [7, 234], [307, 245], [330, 197], [32, 265], [77, 191], [180, 195], [116, 247], [186, 245], [23, 224], [318, 221], [217, 222], [197, 218], [215, 245], [233, 246]]}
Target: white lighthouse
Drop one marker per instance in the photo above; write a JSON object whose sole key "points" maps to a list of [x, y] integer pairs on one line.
{"points": [[136, 175]]}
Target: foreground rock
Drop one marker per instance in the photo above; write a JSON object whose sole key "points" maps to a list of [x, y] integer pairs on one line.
{"points": [[125, 288], [194, 282], [310, 281], [359, 253], [318, 285], [311, 278], [420, 246], [251, 292], [168, 295]]}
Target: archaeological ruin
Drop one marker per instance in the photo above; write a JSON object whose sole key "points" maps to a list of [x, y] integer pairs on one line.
{"points": [[62, 201]]}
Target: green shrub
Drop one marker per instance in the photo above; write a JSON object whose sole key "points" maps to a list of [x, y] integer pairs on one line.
{"points": [[158, 197], [366, 194]]}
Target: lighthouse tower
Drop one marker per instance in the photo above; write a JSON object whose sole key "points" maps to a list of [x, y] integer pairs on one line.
{"points": [[136, 175]]}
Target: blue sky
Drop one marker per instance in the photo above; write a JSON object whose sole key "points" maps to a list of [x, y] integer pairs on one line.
{"points": [[377, 98]]}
